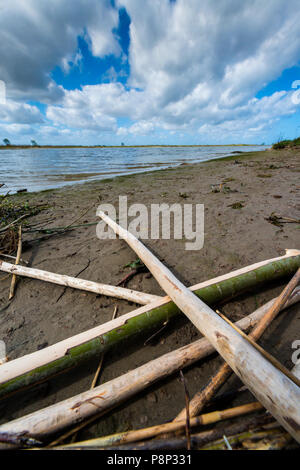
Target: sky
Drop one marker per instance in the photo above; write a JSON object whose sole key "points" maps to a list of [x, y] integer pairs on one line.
{"points": [[106, 72]]}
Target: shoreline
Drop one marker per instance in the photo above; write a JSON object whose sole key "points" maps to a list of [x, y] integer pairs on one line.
{"points": [[70, 183], [21, 147], [239, 193]]}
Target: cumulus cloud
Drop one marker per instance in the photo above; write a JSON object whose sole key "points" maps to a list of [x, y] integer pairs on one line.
{"points": [[38, 35], [20, 113], [194, 66]]}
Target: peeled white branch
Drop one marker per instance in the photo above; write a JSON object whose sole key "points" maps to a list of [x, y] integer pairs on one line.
{"points": [[111, 291], [273, 389]]}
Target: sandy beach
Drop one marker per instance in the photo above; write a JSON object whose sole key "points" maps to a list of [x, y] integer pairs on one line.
{"points": [[239, 194]]}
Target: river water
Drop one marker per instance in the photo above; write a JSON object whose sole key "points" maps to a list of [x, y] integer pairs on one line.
{"points": [[37, 168]]}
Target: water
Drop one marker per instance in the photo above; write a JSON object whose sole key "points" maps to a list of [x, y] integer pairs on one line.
{"points": [[38, 169]]}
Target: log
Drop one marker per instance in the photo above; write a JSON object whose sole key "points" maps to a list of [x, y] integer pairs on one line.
{"points": [[201, 398], [40, 365], [273, 389], [62, 280], [153, 431], [106, 396]]}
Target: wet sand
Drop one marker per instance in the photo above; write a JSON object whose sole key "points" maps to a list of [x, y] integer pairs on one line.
{"points": [[38, 316]]}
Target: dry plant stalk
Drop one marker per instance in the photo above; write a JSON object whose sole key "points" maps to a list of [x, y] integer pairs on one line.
{"points": [[154, 431], [14, 277]]}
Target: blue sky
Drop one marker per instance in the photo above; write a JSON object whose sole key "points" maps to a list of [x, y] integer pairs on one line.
{"points": [[152, 71]]}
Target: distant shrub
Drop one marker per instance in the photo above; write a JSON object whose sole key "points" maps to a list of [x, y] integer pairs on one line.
{"points": [[286, 143]]}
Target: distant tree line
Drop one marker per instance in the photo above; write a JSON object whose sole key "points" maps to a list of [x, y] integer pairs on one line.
{"points": [[8, 143]]}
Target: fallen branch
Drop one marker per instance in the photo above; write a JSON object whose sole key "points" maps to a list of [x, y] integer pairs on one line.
{"points": [[82, 284], [14, 277], [40, 365], [201, 398], [154, 431], [111, 394], [277, 392], [187, 411], [244, 440], [197, 440]]}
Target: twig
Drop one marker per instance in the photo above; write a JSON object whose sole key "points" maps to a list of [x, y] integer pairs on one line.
{"points": [[14, 277], [14, 222], [94, 382], [187, 406], [148, 340], [55, 230], [81, 271], [82, 215], [13, 257], [227, 443]]}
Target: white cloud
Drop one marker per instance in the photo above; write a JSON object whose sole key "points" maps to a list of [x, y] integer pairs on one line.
{"points": [[20, 113], [38, 35], [194, 66]]}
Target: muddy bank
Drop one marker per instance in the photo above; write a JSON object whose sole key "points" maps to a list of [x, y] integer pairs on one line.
{"points": [[239, 193]]}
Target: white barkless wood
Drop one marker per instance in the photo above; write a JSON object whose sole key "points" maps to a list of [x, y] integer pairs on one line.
{"points": [[111, 291], [24, 364], [275, 391], [106, 396]]}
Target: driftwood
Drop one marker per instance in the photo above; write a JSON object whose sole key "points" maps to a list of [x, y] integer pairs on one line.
{"points": [[197, 440], [153, 431], [204, 396], [111, 394], [68, 281], [277, 393], [273, 439], [40, 365]]}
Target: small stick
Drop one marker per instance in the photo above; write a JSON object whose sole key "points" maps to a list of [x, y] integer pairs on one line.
{"points": [[82, 215], [204, 396], [78, 274], [13, 223], [227, 443], [13, 257], [94, 382], [14, 277], [288, 219], [187, 406], [241, 438]]}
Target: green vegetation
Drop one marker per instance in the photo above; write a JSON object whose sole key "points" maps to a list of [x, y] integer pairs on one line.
{"points": [[282, 144]]}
